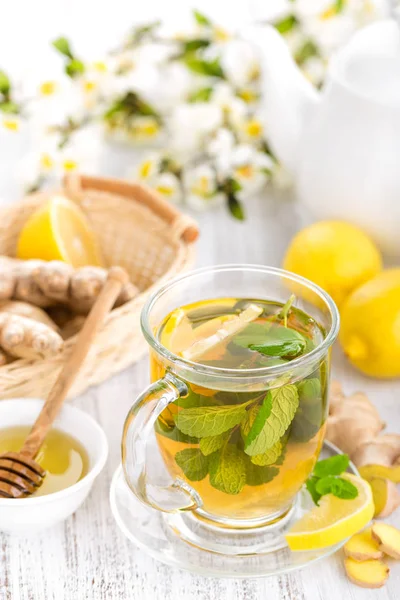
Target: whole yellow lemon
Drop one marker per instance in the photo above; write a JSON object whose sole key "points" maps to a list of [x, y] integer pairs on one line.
{"points": [[370, 330], [336, 255]]}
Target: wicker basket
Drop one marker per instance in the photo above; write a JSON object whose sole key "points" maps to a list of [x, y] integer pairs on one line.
{"points": [[137, 230]]}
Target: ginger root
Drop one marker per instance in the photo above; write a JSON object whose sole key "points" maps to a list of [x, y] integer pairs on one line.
{"points": [[354, 426], [362, 546], [388, 539], [50, 283], [24, 309], [22, 337], [368, 574]]}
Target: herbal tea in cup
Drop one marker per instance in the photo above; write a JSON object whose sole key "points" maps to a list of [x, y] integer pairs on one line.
{"points": [[239, 400]]}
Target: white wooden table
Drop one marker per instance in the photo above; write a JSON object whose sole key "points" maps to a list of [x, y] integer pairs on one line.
{"points": [[88, 558]]}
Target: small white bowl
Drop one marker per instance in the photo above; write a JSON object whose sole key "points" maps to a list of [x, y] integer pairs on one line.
{"points": [[29, 515]]}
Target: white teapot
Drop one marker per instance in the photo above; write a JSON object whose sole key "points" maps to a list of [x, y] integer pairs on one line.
{"points": [[341, 145]]}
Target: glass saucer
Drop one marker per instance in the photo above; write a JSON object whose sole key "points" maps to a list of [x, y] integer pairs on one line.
{"points": [[169, 537]]}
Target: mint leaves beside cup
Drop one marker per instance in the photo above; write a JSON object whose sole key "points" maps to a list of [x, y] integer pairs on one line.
{"points": [[326, 479]]}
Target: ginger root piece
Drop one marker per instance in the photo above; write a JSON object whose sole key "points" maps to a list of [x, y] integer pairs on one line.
{"points": [[53, 278], [362, 546], [388, 538], [367, 574], [352, 421], [26, 288], [386, 496], [86, 284], [354, 426], [46, 284], [28, 310], [25, 338], [382, 451]]}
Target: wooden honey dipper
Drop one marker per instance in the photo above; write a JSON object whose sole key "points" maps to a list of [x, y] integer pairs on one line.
{"points": [[20, 474]]}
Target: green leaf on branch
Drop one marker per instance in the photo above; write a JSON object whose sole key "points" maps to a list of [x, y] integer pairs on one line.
{"points": [[210, 444], [5, 84], [308, 50], [286, 24], [62, 45], [281, 342], [209, 420], [201, 19], [140, 33], [130, 105], [273, 419], [74, 68], [193, 463], [235, 207], [339, 487], [190, 46], [9, 107], [211, 68], [202, 95], [269, 457], [339, 6], [227, 469]]}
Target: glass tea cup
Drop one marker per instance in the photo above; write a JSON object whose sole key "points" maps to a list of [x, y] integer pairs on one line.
{"points": [[200, 475]]}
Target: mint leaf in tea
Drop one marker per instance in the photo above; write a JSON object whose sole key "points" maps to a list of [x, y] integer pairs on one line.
{"points": [[246, 451]]}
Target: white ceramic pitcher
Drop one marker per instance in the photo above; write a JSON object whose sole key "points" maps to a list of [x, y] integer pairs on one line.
{"points": [[342, 145]]}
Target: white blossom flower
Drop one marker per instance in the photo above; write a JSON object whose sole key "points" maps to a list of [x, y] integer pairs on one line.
{"points": [[147, 169], [250, 168], [201, 187], [190, 126], [240, 63], [251, 130], [145, 129], [169, 186], [168, 87], [233, 108], [49, 162], [220, 149]]}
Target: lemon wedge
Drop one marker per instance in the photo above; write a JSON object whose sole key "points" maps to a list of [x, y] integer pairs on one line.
{"points": [[334, 520], [59, 230], [226, 327], [177, 332]]}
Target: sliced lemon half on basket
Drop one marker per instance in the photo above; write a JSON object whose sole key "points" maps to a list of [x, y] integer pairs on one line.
{"points": [[59, 230], [334, 520]]}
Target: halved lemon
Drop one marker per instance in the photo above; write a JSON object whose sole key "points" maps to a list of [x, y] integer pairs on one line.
{"points": [[334, 520], [59, 231]]}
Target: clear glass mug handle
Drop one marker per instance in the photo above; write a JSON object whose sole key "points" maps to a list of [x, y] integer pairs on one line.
{"points": [[139, 425]]}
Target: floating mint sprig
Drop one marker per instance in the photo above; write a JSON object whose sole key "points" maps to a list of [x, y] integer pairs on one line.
{"points": [[281, 342]]}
